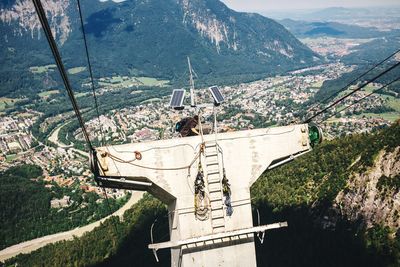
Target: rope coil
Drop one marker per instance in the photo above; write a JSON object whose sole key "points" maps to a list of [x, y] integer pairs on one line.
{"points": [[201, 199], [226, 191]]}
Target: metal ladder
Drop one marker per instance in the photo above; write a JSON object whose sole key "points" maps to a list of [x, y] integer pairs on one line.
{"points": [[214, 177]]}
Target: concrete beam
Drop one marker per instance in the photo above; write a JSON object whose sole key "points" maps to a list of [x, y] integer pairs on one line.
{"points": [[203, 239]]}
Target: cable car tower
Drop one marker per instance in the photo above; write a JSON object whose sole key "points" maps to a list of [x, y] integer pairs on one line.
{"points": [[210, 220], [205, 181]]}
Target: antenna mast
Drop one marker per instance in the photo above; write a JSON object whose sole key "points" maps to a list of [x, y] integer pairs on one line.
{"points": [[192, 97]]}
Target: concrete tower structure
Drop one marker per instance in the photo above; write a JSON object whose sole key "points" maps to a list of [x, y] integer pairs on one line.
{"points": [[204, 232]]}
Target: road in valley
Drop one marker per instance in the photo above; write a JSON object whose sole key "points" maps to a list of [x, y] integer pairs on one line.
{"points": [[34, 244], [54, 139]]}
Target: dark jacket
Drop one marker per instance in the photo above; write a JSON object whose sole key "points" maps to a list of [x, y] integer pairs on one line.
{"points": [[187, 128]]}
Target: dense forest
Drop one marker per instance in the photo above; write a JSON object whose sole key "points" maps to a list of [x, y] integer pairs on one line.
{"points": [[25, 211], [300, 192]]}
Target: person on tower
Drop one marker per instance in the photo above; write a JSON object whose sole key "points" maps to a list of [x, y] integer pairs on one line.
{"points": [[187, 126]]}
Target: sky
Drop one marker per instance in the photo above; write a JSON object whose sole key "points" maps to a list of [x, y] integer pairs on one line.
{"points": [[267, 5]]}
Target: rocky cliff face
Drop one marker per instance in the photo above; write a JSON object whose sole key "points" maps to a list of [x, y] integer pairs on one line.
{"points": [[209, 25], [238, 31], [374, 195], [154, 38], [24, 19]]}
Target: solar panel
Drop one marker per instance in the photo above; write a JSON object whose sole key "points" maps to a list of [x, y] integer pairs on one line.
{"points": [[177, 98], [216, 93]]}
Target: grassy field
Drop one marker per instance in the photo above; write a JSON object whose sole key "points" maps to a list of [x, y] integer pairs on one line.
{"points": [[148, 81], [394, 103], [390, 116], [81, 94], [24, 115], [42, 69], [317, 84], [391, 102], [76, 70], [369, 88], [10, 157], [7, 102], [46, 94], [127, 82], [150, 100]]}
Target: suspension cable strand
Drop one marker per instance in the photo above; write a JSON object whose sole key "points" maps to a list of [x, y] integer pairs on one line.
{"points": [[90, 72], [351, 93], [56, 54], [361, 99], [109, 210], [356, 79]]}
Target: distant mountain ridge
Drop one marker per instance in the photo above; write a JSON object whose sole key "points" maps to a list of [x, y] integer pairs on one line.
{"points": [[338, 14], [303, 29], [154, 37]]}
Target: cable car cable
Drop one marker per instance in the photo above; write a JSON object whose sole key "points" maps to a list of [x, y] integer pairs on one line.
{"points": [[351, 93], [361, 99], [90, 71], [353, 81], [96, 105], [56, 54]]}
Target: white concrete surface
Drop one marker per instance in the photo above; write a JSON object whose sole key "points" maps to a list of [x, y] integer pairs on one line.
{"points": [[245, 154]]}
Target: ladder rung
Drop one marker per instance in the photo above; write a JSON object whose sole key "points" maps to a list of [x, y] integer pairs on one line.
{"points": [[213, 186], [219, 207], [211, 145], [214, 190], [214, 181], [222, 225], [214, 194], [211, 155], [212, 172], [217, 223], [217, 217], [216, 205], [212, 163], [215, 199]]}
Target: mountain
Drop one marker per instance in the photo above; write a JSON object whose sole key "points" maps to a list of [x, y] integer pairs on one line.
{"points": [[341, 202], [151, 38], [302, 29], [339, 14]]}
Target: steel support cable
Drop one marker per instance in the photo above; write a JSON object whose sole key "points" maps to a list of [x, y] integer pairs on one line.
{"points": [[356, 79], [110, 211], [46, 28], [352, 92], [90, 71], [56, 54], [361, 99]]}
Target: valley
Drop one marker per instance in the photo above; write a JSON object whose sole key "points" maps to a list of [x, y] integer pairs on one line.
{"points": [[270, 75]]}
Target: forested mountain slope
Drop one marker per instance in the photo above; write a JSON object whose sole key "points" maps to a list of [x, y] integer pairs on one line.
{"points": [[25, 206], [146, 38]]}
